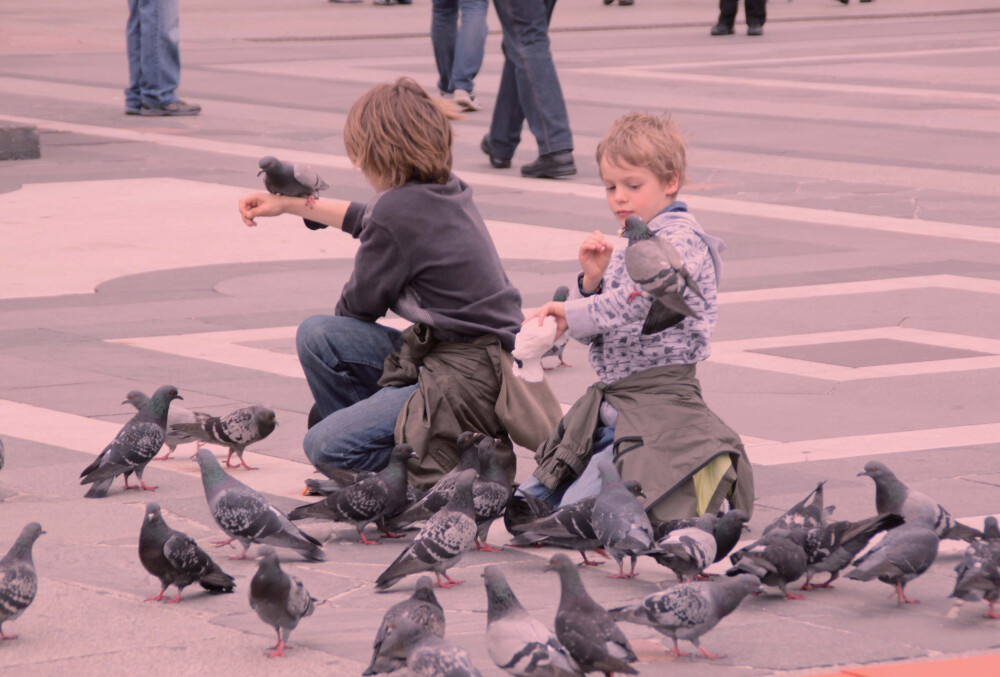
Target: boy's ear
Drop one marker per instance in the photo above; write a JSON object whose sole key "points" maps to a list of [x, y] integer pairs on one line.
{"points": [[671, 187]]}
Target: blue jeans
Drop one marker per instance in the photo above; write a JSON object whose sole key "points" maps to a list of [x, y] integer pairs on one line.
{"points": [[589, 481], [342, 359], [529, 85], [458, 49], [154, 60]]}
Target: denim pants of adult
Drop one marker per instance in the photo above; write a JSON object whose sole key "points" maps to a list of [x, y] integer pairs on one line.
{"points": [[755, 11], [154, 60], [342, 359], [589, 481], [529, 85], [458, 48]]}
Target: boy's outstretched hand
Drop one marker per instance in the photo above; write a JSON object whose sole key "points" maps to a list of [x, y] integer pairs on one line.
{"points": [[259, 204], [595, 254], [554, 308]]}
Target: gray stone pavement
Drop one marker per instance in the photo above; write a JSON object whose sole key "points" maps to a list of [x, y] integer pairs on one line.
{"points": [[848, 158]]}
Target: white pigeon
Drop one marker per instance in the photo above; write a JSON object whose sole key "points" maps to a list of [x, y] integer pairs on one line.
{"points": [[533, 341]]}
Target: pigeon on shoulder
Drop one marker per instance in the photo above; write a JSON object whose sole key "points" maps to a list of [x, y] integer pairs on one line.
{"points": [[293, 180], [175, 558], [900, 556], [422, 609], [133, 447], [246, 516], [689, 610], [280, 600], [517, 642], [18, 579], [892, 496], [236, 430], [619, 520], [585, 628]]}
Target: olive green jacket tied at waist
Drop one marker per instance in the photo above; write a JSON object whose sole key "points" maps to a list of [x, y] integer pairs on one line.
{"points": [[464, 386], [687, 460]]}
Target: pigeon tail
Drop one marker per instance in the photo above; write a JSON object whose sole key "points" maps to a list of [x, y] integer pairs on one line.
{"points": [[99, 489]]}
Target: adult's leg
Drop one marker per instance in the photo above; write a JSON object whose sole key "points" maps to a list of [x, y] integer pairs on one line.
{"points": [[470, 43], [756, 11], [508, 117], [342, 358], [133, 47], [444, 35], [527, 48], [160, 60], [727, 12], [360, 436]]}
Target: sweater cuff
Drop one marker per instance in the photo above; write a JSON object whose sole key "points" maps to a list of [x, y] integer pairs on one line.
{"points": [[580, 326]]}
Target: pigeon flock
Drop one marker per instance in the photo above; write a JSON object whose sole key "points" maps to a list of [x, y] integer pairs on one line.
{"points": [[454, 516]]}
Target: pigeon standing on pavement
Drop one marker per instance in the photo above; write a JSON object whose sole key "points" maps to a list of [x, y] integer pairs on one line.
{"points": [[688, 551], [134, 446], [422, 609], [18, 580], [293, 180], [368, 500], [517, 642], [236, 430], [831, 547], [726, 530], [280, 600], [658, 269], [588, 632], [900, 556], [447, 535], [490, 493], [894, 497], [619, 520], [775, 559], [176, 416], [532, 342], [175, 558], [806, 514], [689, 610], [978, 575], [248, 517], [427, 654], [560, 296]]}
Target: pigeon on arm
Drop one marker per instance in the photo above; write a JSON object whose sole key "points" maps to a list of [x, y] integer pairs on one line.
{"points": [[292, 180]]}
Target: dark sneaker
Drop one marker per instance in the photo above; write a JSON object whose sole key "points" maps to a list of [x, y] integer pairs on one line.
{"points": [[497, 162], [173, 108], [755, 30], [133, 110], [721, 29], [551, 166]]}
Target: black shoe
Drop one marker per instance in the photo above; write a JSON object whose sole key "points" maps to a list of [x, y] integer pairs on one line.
{"points": [[173, 108], [721, 29], [551, 166], [755, 30], [497, 162], [625, 3], [608, 2]]}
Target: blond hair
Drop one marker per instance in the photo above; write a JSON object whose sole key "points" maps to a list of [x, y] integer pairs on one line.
{"points": [[397, 133], [646, 140]]}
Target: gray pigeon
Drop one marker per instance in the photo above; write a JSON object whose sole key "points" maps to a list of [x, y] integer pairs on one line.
{"points": [[18, 580], [447, 535], [894, 497], [490, 492], [688, 551], [427, 654], [280, 600], [422, 609], [176, 416], [900, 556], [175, 558], [806, 514], [991, 530], [831, 547], [619, 520], [689, 610], [775, 559], [367, 501], [727, 530], [437, 496], [560, 295], [658, 269], [978, 575], [293, 180], [518, 643], [236, 430], [568, 527], [134, 446], [588, 632], [248, 517]]}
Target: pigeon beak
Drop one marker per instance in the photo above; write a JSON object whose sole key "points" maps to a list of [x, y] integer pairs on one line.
{"points": [[863, 474], [125, 401], [746, 528], [178, 398], [260, 172]]}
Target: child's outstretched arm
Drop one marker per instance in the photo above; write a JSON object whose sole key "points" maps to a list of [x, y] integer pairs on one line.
{"points": [[325, 211]]}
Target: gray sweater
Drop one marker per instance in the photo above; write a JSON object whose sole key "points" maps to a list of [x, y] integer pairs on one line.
{"points": [[426, 254]]}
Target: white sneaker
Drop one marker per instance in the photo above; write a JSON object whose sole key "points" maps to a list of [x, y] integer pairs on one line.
{"points": [[446, 95], [466, 100]]}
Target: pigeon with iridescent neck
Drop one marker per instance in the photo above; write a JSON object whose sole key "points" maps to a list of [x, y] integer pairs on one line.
{"points": [[293, 180]]}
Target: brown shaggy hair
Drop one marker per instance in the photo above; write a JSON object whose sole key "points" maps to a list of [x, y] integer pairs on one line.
{"points": [[397, 133], [646, 140]]}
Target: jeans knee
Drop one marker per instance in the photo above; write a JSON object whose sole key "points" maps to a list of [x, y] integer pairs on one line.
{"points": [[311, 329]]}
